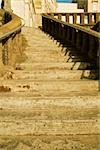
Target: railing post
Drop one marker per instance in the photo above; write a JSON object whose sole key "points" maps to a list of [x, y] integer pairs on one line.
{"points": [[73, 37], [98, 61], [92, 53], [78, 39], [2, 68], [67, 18], [90, 19], [97, 17], [60, 16], [75, 18], [1, 53], [5, 52], [10, 49], [52, 15], [85, 42], [82, 19]]}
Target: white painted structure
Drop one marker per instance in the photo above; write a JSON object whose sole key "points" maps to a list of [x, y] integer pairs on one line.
{"points": [[30, 10], [93, 5], [0, 3], [68, 8], [23, 9]]}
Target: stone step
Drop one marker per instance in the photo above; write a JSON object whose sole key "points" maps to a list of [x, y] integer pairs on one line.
{"points": [[45, 65], [50, 108], [46, 101], [42, 43], [36, 47], [68, 142], [53, 88], [50, 114], [47, 127], [44, 57], [50, 75], [29, 102]]}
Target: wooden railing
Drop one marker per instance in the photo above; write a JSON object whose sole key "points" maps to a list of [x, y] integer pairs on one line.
{"points": [[88, 19], [83, 40], [5, 17], [10, 41]]}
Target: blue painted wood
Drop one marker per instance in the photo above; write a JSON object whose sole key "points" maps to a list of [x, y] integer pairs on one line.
{"points": [[64, 1]]}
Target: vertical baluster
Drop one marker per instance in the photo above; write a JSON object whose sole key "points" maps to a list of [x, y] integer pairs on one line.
{"points": [[1, 49], [67, 18], [85, 44], [69, 34], [5, 52], [59, 34], [53, 32], [97, 17], [52, 15], [82, 19], [90, 18], [75, 18], [87, 18], [73, 37], [2, 68], [59, 16], [62, 32], [48, 25], [56, 30], [92, 53], [10, 52], [78, 39], [14, 49]]}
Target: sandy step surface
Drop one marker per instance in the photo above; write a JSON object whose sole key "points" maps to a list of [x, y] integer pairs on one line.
{"points": [[44, 103], [51, 75], [50, 87], [76, 142]]}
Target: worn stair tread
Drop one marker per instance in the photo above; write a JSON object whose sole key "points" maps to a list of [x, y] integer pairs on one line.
{"points": [[51, 75], [50, 142], [50, 108], [49, 113], [52, 65], [50, 87], [48, 127]]}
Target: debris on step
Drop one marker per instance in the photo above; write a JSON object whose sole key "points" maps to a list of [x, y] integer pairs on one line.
{"points": [[5, 89]]}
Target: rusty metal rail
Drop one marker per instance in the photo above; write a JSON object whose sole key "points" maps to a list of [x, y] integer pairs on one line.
{"points": [[10, 40], [83, 19], [84, 40]]}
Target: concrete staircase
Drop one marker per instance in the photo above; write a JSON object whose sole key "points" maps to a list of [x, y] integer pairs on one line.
{"points": [[44, 105]]}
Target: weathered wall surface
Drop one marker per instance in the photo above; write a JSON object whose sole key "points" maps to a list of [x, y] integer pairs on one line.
{"points": [[10, 44]]}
